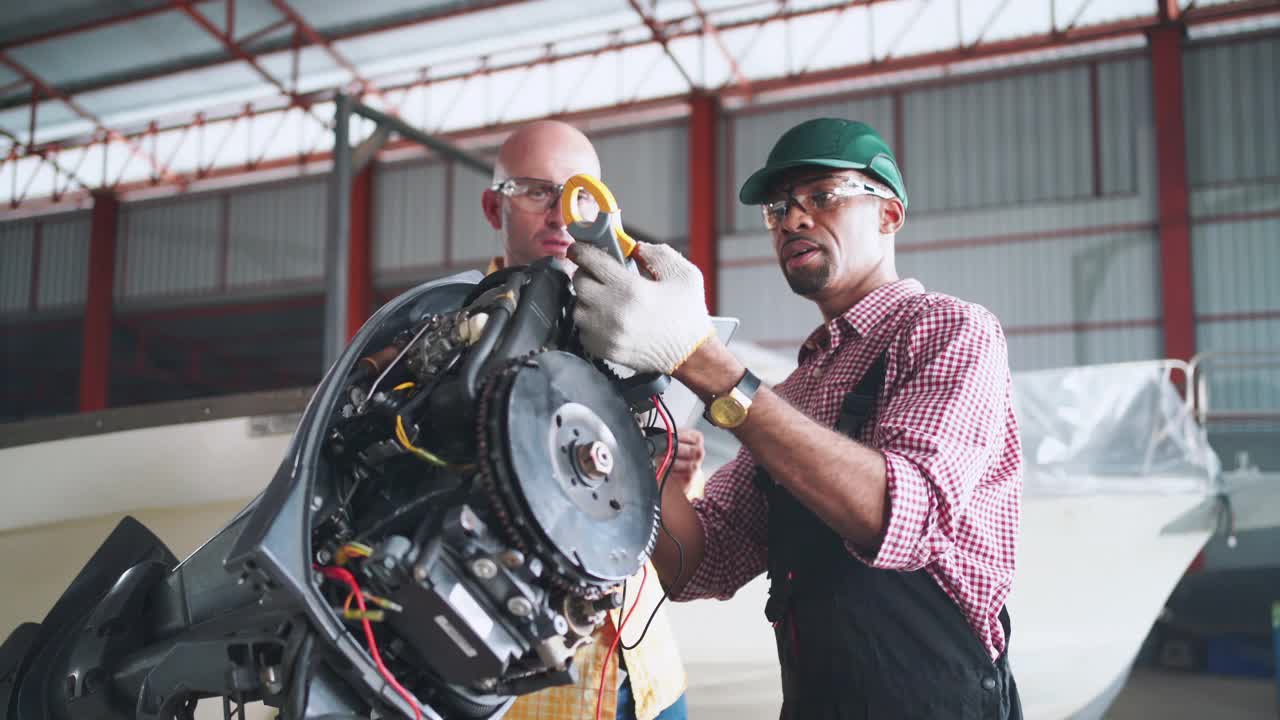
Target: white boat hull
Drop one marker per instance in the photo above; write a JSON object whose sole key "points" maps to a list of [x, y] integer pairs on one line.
{"points": [[1094, 570], [1093, 574]]}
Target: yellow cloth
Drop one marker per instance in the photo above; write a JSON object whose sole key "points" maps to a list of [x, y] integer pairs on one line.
{"points": [[656, 671]]}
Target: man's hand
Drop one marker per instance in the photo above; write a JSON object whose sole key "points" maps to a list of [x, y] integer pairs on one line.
{"points": [[648, 325], [688, 460]]}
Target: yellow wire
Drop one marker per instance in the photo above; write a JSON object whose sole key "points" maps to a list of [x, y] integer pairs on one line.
{"points": [[402, 386], [404, 440], [350, 550]]}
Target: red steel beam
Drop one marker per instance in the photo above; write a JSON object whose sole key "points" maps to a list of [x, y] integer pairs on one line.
{"points": [[360, 253], [315, 38], [229, 44], [704, 124], [735, 72], [95, 349], [44, 154], [179, 5], [85, 27], [1173, 191], [984, 51], [50, 92], [660, 37]]}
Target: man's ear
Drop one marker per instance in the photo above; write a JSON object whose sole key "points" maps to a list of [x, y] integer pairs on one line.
{"points": [[491, 204], [892, 216]]}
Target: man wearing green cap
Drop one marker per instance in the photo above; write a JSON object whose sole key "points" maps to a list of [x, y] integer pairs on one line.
{"points": [[880, 484]]}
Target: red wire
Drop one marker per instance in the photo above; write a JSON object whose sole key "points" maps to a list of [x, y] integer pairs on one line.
{"points": [[662, 471], [604, 669], [342, 575], [670, 453]]}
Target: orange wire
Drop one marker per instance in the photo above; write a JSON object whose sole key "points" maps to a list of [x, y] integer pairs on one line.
{"points": [[604, 669]]}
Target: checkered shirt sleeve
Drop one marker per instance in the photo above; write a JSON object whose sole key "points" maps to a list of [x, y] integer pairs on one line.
{"points": [[946, 428]]}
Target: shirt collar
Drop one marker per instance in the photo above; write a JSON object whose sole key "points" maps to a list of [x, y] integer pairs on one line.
{"points": [[859, 320]]}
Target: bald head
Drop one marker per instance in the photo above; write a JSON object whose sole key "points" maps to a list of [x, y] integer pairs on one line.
{"points": [[548, 150], [544, 150]]}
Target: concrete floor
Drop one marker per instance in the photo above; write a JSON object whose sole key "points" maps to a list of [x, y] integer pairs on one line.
{"points": [[1170, 695]]}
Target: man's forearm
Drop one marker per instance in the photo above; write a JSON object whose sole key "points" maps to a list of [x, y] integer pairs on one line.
{"points": [[842, 481], [675, 565]]}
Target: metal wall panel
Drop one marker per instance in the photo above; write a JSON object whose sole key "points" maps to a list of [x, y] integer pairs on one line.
{"points": [[769, 311], [277, 234], [16, 242], [408, 217], [1241, 389], [1055, 297], [64, 262], [1053, 350], [471, 239], [1127, 150], [1127, 155], [168, 248], [1235, 266], [1124, 106], [1011, 140], [755, 133], [780, 320], [1216, 201], [648, 172], [1232, 100], [1055, 282]]}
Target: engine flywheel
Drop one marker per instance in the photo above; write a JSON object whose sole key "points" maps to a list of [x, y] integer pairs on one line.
{"points": [[569, 469]]}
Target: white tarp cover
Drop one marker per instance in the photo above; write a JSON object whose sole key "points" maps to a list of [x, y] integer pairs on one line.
{"points": [[1110, 429]]}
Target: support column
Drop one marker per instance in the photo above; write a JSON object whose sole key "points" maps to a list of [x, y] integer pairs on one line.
{"points": [[1174, 228], [704, 123], [338, 241], [360, 253], [95, 348]]}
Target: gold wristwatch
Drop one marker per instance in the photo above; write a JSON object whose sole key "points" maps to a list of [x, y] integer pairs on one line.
{"points": [[730, 410]]}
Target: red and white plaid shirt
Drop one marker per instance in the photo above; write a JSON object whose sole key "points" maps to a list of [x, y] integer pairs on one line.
{"points": [[945, 424]]}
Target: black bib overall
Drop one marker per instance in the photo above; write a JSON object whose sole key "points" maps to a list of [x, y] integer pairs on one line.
{"points": [[856, 642]]}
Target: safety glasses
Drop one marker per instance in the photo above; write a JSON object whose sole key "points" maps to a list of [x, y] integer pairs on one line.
{"points": [[534, 195], [818, 196]]}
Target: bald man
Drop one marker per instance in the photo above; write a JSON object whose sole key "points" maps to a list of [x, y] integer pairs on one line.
{"points": [[648, 682], [532, 167]]}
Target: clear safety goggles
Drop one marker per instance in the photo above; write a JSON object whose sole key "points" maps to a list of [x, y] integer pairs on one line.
{"points": [[534, 195], [818, 196]]}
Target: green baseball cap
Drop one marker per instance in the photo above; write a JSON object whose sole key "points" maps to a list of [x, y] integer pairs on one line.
{"points": [[827, 142]]}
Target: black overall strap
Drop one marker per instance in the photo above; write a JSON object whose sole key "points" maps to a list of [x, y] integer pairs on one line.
{"points": [[806, 539], [856, 642], [857, 406]]}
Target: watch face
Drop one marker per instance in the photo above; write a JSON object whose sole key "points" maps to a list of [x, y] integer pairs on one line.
{"points": [[727, 412]]}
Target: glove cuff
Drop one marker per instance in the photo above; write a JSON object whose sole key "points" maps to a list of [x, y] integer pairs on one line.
{"points": [[678, 355]]}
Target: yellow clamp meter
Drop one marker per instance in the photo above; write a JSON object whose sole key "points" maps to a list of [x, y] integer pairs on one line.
{"points": [[605, 232]]}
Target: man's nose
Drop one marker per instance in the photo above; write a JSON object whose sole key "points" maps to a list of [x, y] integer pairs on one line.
{"points": [[553, 217], [797, 218]]}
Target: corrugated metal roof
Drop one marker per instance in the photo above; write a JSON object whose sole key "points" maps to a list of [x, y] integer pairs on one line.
{"points": [[141, 45], [26, 19], [161, 62]]}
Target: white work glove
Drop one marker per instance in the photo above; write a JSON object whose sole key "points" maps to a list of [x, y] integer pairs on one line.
{"points": [[648, 325]]}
